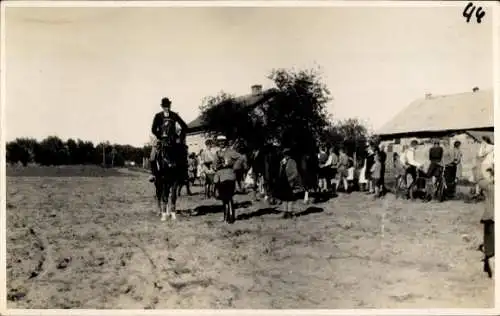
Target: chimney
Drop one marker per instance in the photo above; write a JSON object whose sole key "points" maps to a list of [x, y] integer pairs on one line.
{"points": [[475, 89], [428, 95], [256, 89]]}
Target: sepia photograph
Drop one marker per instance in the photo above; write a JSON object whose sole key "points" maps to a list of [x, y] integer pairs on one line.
{"points": [[243, 156]]}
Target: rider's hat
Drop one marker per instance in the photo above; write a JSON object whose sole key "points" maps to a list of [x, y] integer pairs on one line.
{"points": [[165, 102], [221, 138]]}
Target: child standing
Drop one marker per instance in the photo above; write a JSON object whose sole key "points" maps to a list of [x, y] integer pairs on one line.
{"points": [[225, 185], [376, 175], [397, 166], [289, 184], [192, 168]]}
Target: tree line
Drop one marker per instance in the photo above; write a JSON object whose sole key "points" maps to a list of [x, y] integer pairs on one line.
{"points": [[54, 151]]}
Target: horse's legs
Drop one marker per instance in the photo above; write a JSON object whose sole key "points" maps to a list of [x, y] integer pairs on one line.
{"points": [[158, 195], [173, 200], [226, 211], [163, 210], [232, 213]]}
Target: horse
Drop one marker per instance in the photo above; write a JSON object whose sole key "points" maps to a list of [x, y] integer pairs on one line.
{"points": [[168, 172]]}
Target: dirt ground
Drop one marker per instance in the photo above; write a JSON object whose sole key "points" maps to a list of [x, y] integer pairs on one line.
{"points": [[97, 242]]}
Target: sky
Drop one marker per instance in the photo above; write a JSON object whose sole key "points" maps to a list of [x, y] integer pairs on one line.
{"points": [[99, 73]]}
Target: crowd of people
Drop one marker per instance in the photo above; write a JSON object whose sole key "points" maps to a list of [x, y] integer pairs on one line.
{"points": [[337, 171], [279, 173]]}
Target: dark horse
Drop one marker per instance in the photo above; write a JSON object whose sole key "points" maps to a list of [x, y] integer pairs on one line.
{"points": [[169, 173]]}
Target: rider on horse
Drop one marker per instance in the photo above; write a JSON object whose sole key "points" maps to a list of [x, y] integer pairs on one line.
{"points": [[164, 130]]}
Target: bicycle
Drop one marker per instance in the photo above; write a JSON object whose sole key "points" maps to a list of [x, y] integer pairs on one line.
{"points": [[443, 185], [402, 188]]}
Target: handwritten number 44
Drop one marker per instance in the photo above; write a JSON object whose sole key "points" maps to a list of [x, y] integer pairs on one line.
{"points": [[469, 11]]}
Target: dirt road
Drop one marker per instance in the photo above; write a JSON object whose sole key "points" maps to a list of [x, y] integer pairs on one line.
{"points": [[96, 242]]}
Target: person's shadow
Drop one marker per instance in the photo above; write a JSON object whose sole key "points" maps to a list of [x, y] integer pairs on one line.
{"points": [[258, 213], [217, 208], [309, 210]]}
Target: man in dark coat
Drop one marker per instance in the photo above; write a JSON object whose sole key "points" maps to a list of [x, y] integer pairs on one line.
{"points": [[383, 158], [163, 128]]}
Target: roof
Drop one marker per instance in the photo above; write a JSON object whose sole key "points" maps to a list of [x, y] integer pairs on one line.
{"points": [[478, 135], [456, 112], [249, 100]]}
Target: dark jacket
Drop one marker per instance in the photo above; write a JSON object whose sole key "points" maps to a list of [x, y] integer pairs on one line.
{"points": [[436, 154], [292, 175], [158, 123]]}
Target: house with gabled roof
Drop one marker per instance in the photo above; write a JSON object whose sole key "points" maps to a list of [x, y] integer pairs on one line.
{"points": [[464, 116]]}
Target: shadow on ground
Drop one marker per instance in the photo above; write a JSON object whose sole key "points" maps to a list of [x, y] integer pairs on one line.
{"points": [[217, 208]]}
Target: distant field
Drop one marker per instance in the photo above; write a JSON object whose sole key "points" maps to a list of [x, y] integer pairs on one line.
{"points": [[87, 237], [63, 171]]}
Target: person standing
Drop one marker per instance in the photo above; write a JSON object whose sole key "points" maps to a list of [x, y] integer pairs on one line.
{"points": [[457, 159], [322, 159], [289, 184], [436, 159], [383, 159], [342, 167], [240, 169], [485, 177], [370, 160], [411, 165], [376, 171]]}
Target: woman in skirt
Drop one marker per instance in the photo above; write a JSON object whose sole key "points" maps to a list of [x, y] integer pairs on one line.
{"points": [[289, 186]]}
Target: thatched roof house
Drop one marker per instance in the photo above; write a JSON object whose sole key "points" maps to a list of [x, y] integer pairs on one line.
{"points": [[443, 115], [255, 98]]}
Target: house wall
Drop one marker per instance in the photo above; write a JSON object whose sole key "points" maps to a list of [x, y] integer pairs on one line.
{"points": [[469, 150], [196, 142]]}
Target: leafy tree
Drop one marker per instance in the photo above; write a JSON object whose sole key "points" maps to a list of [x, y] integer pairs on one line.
{"points": [[17, 153], [52, 151], [295, 116], [73, 153], [21, 150], [349, 134]]}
